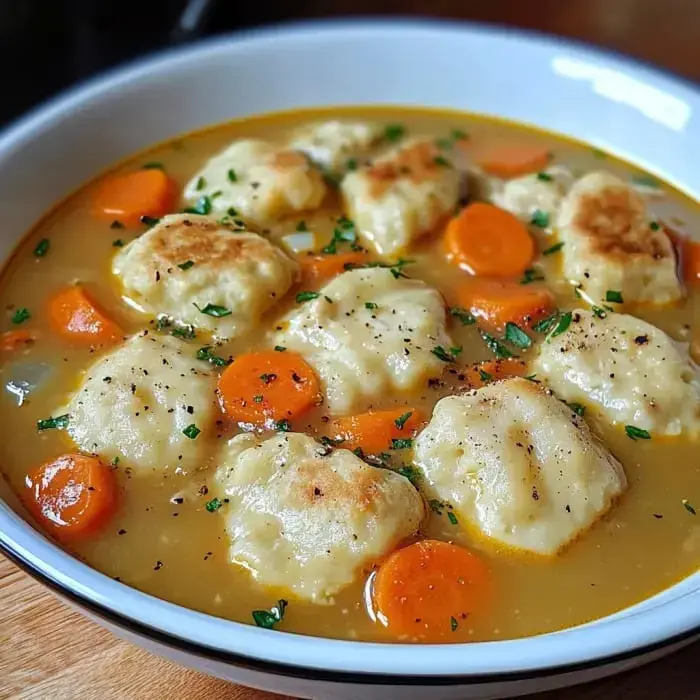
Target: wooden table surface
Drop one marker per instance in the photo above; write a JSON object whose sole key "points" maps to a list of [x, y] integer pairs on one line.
{"points": [[48, 651]]}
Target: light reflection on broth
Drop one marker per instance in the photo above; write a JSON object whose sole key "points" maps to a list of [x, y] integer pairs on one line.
{"points": [[164, 541]]}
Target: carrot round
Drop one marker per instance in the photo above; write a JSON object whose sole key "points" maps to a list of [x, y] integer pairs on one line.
{"points": [[72, 496], [515, 160], [14, 340], [266, 386], [486, 240], [317, 268], [495, 302], [128, 197], [75, 316], [374, 432], [482, 373], [426, 590]]}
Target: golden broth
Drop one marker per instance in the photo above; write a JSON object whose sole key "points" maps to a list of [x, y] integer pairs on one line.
{"points": [[179, 551]]}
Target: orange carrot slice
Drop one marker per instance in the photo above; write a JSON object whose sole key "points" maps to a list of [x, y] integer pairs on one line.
{"points": [[76, 317], [319, 268], [515, 160], [72, 496], [483, 373], [486, 240], [266, 386], [148, 192], [426, 590], [375, 432], [495, 302], [14, 340]]}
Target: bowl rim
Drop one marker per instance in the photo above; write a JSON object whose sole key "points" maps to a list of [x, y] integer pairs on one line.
{"points": [[635, 632]]}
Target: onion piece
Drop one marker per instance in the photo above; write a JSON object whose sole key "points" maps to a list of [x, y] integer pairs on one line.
{"points": [[300, 242], [25, 377]]}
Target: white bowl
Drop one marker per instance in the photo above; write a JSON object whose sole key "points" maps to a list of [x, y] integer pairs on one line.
{"points": [[610, 102]]}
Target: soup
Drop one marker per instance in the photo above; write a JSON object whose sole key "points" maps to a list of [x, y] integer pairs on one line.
{"points": [[374, 374]]}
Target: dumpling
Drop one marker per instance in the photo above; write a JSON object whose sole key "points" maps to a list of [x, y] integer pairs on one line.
{"points": [[402, 195], [518, 465], [368, 335], [333, 143], [306, 518], [260, 181], [523, 196], [202, 273], [632, 371], [145, 404], [611, 245]]}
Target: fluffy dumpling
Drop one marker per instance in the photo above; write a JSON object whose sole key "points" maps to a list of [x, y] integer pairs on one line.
{"points": [[368, 335], [305, 518], [260, 181], [610, 243], [333, 143], [138, 402], [631, 370], [402, 195], [518, 465], [187, 264], [543, 192]]}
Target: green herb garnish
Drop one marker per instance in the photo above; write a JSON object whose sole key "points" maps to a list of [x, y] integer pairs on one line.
{"points": [[351, 164], [577, 408], [463, 315], [540, 218], [496, 346], [371, 305], [449, 355], [42, 247], [149, 221], [207, 355], [283, 426], [117, 243], [57, 423], [201, 206], [331, 442], [517, 336], [654, 225], [637, 433], [597, 311], [544, 177], [343, 233], [213, 505], [269, 618], [436, 506], [301, 297], [116, 224], [214, 310], [485, 376], [301, 226], [452, 517], [563, 323], [545, 325], [268, 377], [614, 296], [191, 431], [153, 165], [688, 507], [531, 275], [21, 315], [258, 398], [200, 184], [442, 162], [401, 443], [410, 473], [553, 249], [394, 132], [186, 265], [453, 624], [231, 175], [401, 420], [279, 348]]}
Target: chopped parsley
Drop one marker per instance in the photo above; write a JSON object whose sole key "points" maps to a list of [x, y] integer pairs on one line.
{"points": [[689, 507], [516, 336], [496, 346], [553, 249], [436, 506], [532, 378], [401, 443], [396, 268], [231, 175], [410, 473], [186, 265], [117, 243], [269, 618], [57, 423], [115, 461], [351, 164], [394, 132], [401, 420], [186, 332], [42, 247], [544, 177], [214, 310], [637, 433], [449, 355], [200, 184], [654, 225], [452, 517], [191, 431], [202, 206], [453, 624], [545, 325], [563, 323], [577, 408], [301, 226], [149, 221], [371, 305], [531, 275], [444, 143], [614, 296], [268, 377], [442, 162], [116, 224], [645, 181], [600, 313], [21, 315], [463, 315], [485, 376], [283, 426], [279, 348], [540, 218], [206, 353], [153, 165], [343, 233], [213, 505], [301, 297], [459, 135]]}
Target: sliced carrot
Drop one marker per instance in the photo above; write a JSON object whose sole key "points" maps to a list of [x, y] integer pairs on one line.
{"points": [[14, 340], [318, 268], [426, 590], [495, 302], [486, 240], [373, 432], [482, 373], [128, 197], [515, 160], [72, 496], [266, 386], [75, 316]]}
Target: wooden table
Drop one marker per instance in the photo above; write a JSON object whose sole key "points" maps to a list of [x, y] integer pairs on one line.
{"points": [[50, 652]]}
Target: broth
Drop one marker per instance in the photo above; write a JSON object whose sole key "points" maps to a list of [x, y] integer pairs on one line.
{"points": [[178, 552]]}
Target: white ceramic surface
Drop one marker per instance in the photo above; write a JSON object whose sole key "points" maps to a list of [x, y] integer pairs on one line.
{"points": [[631, 110]]}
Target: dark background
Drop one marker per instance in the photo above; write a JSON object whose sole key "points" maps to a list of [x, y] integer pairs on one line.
{"points": [[46, 45]]}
